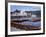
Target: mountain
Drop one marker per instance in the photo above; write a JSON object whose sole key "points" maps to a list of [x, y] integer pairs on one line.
{"points": [[38, 13]]}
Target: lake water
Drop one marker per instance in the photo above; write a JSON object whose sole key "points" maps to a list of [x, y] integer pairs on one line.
{"points": [[29, 22], [36, 24], [32, 23]]}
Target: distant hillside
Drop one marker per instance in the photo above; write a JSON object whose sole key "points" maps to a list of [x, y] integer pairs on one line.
{"points": [[38, 13]]}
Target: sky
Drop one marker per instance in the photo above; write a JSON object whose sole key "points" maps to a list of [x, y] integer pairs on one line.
{"points": [[27, 8]]}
